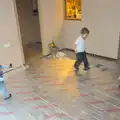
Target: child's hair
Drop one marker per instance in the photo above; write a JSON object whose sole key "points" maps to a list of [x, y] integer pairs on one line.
{"points": [[85, 31]]}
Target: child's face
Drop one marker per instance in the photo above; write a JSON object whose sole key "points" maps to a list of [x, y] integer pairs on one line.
{"points": [[84, 36]]}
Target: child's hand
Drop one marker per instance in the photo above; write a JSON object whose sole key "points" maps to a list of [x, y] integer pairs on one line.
{"points": [[10, 66]]}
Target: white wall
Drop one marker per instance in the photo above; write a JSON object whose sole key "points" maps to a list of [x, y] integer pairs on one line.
{"points": [[29, 24], [102, 17], [51, 20], [9, 32]]}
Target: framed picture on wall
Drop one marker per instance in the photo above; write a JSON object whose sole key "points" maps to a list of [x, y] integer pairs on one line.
{"points": [[73, 9]]}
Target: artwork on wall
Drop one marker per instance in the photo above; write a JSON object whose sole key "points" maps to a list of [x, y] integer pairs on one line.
{"points": [[35, 7], [73, 9]]}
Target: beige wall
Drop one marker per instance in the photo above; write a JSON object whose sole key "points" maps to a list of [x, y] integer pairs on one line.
{"points": [[102, 17], [29, 24], [51, 20], [9, 32]]}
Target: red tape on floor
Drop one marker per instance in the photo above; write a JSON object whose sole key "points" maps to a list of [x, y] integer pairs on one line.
{"points": [[55, 115], [16, 81], [6, 113], [18, 86], [32, 99], [111, 110], [45, 106], [113, 89], [95, 102], [3, 104], [24, 93], [46, 81], [84, 94]]}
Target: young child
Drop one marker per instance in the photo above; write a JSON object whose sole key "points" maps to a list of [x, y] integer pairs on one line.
{"points": [[80, 50], [2, 84]]}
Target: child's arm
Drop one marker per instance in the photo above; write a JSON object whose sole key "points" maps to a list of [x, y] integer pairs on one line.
{"points": [[75, 46]]}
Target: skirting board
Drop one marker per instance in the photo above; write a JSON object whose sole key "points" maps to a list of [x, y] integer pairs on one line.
{"points": [[102, 57], [51, 53]]}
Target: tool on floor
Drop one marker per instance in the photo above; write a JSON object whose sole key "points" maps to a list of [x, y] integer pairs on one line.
{"points": [[55, 51]]}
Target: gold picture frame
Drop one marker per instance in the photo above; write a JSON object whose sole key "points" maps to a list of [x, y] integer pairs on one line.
{"points": [[73, 10]]}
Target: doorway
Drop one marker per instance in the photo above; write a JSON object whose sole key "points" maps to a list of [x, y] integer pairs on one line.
{"points": [[28, 18]]}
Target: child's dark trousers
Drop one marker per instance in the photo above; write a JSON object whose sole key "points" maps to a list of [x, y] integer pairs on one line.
{"points": [[81, 57]]}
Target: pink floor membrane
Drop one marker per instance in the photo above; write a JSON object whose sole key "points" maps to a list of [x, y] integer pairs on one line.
{"points": [[59, 93]]}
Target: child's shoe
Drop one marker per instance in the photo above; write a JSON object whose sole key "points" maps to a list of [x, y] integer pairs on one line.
{"points": [[86, 69], [75, 69], [8, 97]]}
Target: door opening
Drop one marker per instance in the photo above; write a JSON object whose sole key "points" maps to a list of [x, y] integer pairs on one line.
{"points": [[28, 18]]}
